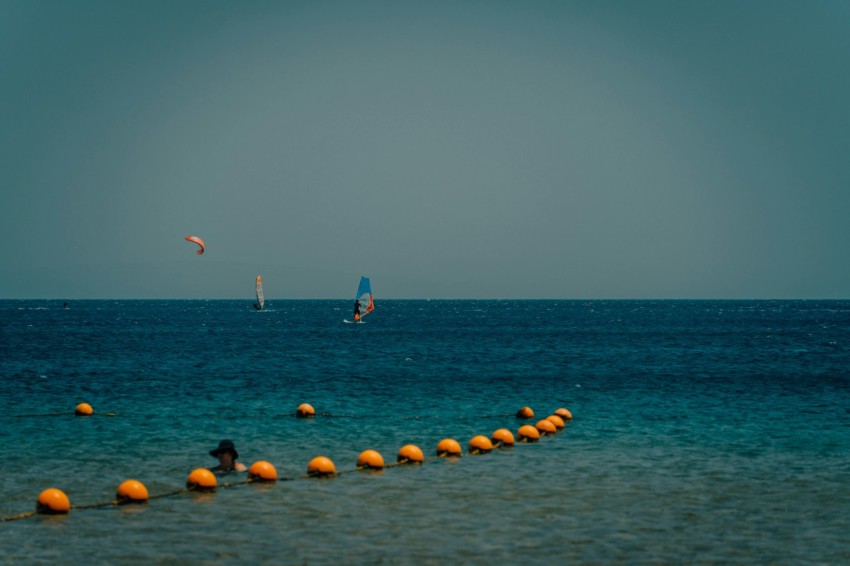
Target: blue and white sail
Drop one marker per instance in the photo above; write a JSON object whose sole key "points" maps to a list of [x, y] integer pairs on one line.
{"points": [[364, 296]]}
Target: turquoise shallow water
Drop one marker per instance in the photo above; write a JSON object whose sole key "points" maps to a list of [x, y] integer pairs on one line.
{"points": [[704, 431]]}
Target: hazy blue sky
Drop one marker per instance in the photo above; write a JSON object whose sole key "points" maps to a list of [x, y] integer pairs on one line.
{"points": [[593, 149]]}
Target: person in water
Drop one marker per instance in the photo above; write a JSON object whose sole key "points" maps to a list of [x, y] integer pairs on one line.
{"points": [[227, 455], [356, 310]]}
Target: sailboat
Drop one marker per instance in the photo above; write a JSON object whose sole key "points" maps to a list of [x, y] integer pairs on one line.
{"points": [[363, 296], [261, 300]]}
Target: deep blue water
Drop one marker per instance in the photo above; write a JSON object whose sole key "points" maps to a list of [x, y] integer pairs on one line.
{"points": [[708, 431]]}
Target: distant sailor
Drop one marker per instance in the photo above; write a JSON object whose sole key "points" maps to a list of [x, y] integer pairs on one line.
{"points": [[227, 455], [357, 310]]}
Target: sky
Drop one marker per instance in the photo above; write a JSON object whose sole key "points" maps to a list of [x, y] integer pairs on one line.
{"points": [[447, 149]]}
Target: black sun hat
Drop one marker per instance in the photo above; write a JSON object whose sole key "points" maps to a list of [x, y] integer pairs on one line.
{"points": [[225, 446]]}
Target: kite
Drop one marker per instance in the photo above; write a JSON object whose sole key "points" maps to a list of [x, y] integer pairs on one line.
{"points": [[198, 241]]}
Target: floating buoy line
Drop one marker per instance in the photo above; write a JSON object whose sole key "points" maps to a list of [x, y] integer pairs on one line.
{"points": [[53, 501], [303, 414], [306, 411]]}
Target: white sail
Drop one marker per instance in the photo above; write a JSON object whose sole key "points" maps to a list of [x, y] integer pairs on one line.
{"points": [[261, 300]]}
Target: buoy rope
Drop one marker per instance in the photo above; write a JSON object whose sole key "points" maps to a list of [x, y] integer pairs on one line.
{"points": [[196, 488], [379, 416], [66, 414], [119, 503], [16, 517], [310, 475], [171, 493], [410, 417], [278, 415], [113, 503]]}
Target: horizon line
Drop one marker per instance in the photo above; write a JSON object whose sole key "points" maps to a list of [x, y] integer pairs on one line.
{"points": [[577, 299]]}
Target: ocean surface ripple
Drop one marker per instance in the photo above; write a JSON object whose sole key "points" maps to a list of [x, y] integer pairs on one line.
{"points": [[704, 431]]}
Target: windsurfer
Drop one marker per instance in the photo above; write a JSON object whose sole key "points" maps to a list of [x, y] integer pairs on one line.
{"points": [[261, 300], [357, 310]]}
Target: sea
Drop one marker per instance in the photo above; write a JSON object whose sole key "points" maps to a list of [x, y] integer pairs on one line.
{"points": [[702, 431]]}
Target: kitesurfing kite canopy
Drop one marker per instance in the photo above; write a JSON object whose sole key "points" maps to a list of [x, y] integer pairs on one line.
{"points": [[198, 241]]}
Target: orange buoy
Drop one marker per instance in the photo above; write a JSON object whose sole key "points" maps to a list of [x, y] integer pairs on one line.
{"points": [[528, 433], [525, 413], [201, 479], [370, 460], [131, 491], [410, 454], [557, 421], [321, 467], [502, 437], [305, 410], [564, 414], [83, 410], [546, 427], [52, 501], [262, 471], [449, 447], [480, 445]]}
